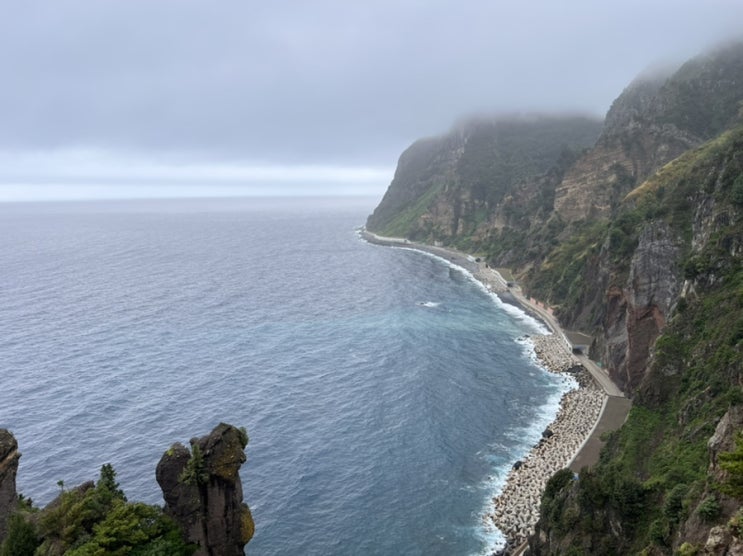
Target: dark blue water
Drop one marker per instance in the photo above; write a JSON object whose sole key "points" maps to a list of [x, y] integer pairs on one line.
{"points": [[384, 392]]}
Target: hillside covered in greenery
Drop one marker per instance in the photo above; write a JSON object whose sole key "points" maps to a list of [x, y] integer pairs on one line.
{"points": [[661, 483], [635, 237]]}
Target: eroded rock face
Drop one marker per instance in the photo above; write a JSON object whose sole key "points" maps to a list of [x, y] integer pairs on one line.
{"points": [[595, 186], [203, 491], [724, 439], [9, 456], [636, 313]]}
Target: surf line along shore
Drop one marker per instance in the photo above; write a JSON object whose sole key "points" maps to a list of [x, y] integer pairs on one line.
{"points": [[573, 439]]}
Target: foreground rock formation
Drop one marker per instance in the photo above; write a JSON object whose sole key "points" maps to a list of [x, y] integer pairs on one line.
{"points": [[203, 492], [204, 513]]}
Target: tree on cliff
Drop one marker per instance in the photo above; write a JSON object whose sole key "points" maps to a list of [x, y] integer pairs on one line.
{"points": [[95, 518]]}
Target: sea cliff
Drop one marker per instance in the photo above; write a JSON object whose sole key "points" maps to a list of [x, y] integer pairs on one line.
{"points": [[634, 239]]}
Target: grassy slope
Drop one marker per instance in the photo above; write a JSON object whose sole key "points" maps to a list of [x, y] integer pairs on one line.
{"points": [[654, 471]]}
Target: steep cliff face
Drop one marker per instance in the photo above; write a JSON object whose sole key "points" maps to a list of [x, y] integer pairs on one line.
{"points": [[639, 240], [666, 231], [673, 337], [655, 120], [455, 187], [203, 491], [637, 312], [615, 267]]}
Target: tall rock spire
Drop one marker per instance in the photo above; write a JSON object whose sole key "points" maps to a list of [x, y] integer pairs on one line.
{"points": [[203, 491]]}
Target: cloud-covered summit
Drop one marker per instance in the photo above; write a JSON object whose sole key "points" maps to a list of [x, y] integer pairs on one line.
{"points": [[322, 83]]}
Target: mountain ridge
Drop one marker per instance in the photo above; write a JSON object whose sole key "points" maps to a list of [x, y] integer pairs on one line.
{"points": [[635, 238]]}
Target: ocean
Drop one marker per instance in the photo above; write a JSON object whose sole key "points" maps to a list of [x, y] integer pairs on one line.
{"points": [[386, 394]]}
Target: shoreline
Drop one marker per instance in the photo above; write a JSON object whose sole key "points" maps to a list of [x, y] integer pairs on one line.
{"points": [[572, 438]]}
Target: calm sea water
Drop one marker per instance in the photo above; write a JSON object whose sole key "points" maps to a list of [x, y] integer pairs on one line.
{"points": [[385, 393]]}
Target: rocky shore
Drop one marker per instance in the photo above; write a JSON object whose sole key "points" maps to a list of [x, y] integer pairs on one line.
{"points": [[517, 506]]}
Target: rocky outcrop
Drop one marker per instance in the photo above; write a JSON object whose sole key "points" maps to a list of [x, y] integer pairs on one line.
{"points": [[203, 491], [9, 456], [721, 541], [655, 119], [595, 186], [462, 184], [696, 531], [724, 439], [638, 312]]}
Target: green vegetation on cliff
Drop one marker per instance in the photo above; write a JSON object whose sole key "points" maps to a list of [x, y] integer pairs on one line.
{"points": [[652, 489], [93, 520], [638, 241], [204, 511], [469, 171]]}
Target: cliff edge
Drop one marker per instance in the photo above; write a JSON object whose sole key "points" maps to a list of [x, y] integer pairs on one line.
{"points": [[9, 456]]}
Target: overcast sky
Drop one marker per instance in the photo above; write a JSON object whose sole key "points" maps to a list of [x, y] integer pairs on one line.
{"points": [[312, 97]]}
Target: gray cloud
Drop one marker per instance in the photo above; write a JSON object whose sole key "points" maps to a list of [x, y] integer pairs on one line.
{"points": [[325, 82]]}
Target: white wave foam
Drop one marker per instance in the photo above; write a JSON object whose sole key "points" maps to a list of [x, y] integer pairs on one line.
{"points": [[529, 435], [517, 313], [522, 316], [447, 262], [528, 351], [491, 537]]}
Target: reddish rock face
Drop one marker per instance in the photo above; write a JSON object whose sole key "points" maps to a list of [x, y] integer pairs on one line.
{"points": [[203, 491], [636, 313], [9, 456]]}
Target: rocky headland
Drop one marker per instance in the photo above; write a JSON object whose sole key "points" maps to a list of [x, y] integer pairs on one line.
{"points": [[9, 456]]}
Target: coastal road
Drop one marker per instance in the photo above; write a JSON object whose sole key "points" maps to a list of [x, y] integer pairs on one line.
{"points": [[613, 416], [599, 375], [617, 407]]}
